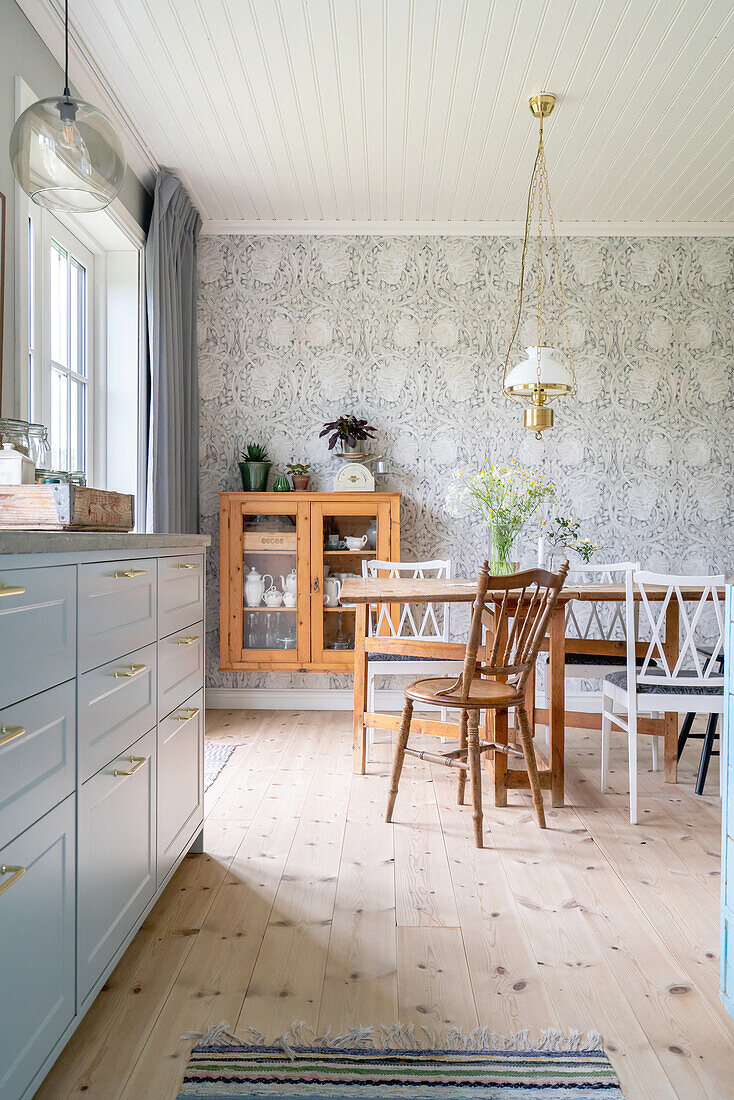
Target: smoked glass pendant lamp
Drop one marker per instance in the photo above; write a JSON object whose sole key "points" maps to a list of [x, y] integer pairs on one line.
{"points": [[544, 374], [65, 152]]}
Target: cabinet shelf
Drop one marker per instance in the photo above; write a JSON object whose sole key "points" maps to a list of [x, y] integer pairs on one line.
{"points": [[278, 553], [350, 553], [256, 609]]}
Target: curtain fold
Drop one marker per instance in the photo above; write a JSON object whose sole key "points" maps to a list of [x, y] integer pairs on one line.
{"points": [[172, 498]]}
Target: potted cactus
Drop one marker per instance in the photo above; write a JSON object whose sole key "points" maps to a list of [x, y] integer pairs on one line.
{"points": [[254, 468], [300, 475]]}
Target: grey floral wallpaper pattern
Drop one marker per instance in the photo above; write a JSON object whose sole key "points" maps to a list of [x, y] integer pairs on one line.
{"points": [[411, 332]]}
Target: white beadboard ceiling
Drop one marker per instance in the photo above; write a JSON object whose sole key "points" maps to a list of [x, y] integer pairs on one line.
{"points": [[412, 114]]}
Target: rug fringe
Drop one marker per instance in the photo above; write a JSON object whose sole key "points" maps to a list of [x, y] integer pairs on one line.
{"points": [[401, 1037]]}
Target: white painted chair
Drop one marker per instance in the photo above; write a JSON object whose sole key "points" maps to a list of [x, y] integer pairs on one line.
{"points": [[429, 623], [695, 682], [589, 621]]}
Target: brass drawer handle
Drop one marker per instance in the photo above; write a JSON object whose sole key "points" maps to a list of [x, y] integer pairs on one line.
{"points": [[132, 671], [188, 565], [129, 573], [192, 712], [189, 640], [136, 761], [12, 590], [9, 733], [14, 872]]}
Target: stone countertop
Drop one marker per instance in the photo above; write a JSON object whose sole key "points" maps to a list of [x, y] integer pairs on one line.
{"points": [[70, 542]]}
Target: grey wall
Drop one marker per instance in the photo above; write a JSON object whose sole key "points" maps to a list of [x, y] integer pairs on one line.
{"points": [[411, 333], [22, 53]]}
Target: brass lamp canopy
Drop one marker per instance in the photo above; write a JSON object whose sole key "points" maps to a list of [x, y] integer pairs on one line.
{"points": [[543, 376]]}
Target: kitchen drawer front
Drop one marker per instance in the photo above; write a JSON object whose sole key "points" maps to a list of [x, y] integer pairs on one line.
{"points": [[180, 592], [37, 918], [37, 757], [180, 667], [37, 630], [180, 780], [117, 872], [117, 705], [117, 609]]}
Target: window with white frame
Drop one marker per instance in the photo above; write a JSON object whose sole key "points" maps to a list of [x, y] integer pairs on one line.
{"points": [[60, 340]]}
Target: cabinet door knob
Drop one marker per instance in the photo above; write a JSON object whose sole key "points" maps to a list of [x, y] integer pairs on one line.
{"points": [[188, 565], [12, 590], [132, 671], [192, 712], [189, 640], [9, 733], [14, 872], [136, 761], [119, 573], [316, 584]]}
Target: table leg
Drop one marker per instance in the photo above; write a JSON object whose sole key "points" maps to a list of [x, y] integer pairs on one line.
{"points": [[497, 728], [557, 702], [359, 733], [670, 721]]}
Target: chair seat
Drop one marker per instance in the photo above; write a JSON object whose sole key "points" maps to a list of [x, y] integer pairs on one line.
{"points": [[619, 680], [376, 655], [484, 693], [608, 660]]}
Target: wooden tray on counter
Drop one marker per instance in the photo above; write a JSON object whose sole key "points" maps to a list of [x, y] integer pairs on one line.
{"points": [[64, 508]]}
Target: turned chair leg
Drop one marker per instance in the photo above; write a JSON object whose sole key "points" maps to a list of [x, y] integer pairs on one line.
{"points": [[397, 765], [462, 745], [526, 740], [475, 775]]}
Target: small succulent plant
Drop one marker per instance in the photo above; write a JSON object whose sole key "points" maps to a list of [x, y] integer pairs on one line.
{"points": [[254, 452], [298, 467], [347, 429]]}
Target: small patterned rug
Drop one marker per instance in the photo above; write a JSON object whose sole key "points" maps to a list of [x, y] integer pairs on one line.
{"points": [[215, 757], [386, 1063]]}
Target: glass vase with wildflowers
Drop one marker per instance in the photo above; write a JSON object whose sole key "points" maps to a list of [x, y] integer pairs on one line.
{"points": [[564, 533], [504, 497]]}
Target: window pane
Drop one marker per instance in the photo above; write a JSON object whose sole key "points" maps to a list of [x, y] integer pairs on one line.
{"points": [[77, 421], [78, 318], [59, 304], [59, 420]]}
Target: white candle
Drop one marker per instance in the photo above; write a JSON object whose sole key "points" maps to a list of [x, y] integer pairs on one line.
{"points": [[541, 550]]}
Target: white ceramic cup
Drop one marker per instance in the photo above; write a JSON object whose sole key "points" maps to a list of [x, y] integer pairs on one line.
{"points": [[289, 599], [332, 591]]}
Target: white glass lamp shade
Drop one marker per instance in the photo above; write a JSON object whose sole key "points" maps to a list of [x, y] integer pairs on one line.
{"points": [[66, 155], [555, 376]]}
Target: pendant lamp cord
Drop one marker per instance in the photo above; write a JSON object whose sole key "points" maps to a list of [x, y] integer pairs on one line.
{"points": [[66, 48]]}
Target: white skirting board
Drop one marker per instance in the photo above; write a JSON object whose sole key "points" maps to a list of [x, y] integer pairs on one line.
{"points": [[336, 699]]}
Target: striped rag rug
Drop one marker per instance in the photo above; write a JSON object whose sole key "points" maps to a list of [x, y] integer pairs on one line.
{"points": [[224, 1068]]}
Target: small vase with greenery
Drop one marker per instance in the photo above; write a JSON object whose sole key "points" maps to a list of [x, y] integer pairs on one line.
{"points": [[254, 468], [563, 534], [300, 475], [505, 497], [350, 431]]}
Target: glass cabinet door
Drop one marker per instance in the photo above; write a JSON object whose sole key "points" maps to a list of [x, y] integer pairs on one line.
{"points": [[268, 620], [343, 535]]}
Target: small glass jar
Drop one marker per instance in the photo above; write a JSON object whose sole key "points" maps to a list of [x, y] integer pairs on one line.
{"points": [[15, 432], [40, 448]]}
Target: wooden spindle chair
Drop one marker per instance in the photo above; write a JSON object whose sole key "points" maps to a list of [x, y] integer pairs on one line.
{"points": [[520, 606]]}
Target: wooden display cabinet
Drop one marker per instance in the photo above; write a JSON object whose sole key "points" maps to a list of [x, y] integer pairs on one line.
{"points": [[276, 533]]}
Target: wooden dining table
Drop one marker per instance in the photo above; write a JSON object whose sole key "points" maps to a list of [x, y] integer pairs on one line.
{"points": [[365, 593]]}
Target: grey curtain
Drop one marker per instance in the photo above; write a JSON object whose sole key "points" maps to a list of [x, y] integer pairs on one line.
{"points": [[172, 502]]}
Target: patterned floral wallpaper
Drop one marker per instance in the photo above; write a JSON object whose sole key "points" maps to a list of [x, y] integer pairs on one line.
{"points": [[411, 333]]}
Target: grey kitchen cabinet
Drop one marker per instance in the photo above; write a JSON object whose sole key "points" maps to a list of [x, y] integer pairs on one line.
{"points": [[101, 791], [37, 931]]}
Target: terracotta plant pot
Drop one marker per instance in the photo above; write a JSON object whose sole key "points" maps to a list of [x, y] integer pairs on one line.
{"points": [[300, 482]]}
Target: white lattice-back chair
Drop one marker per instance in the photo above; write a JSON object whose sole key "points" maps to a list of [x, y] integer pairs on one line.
{"points": [[419, 622], [694, 683]]}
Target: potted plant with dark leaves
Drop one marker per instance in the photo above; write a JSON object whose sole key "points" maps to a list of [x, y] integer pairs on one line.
{"points": [[254, 468], [300, 475], [349, 431]]}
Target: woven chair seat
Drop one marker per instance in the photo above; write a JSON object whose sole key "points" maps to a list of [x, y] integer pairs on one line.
{"points": [[619, 679]]}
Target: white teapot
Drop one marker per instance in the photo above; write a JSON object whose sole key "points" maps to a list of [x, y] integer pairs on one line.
{"points": [[255, 586], [332, 591], [290, 583]]}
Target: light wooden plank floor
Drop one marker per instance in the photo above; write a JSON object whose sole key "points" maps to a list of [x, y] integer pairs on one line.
{"points": [[307, 906]]}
